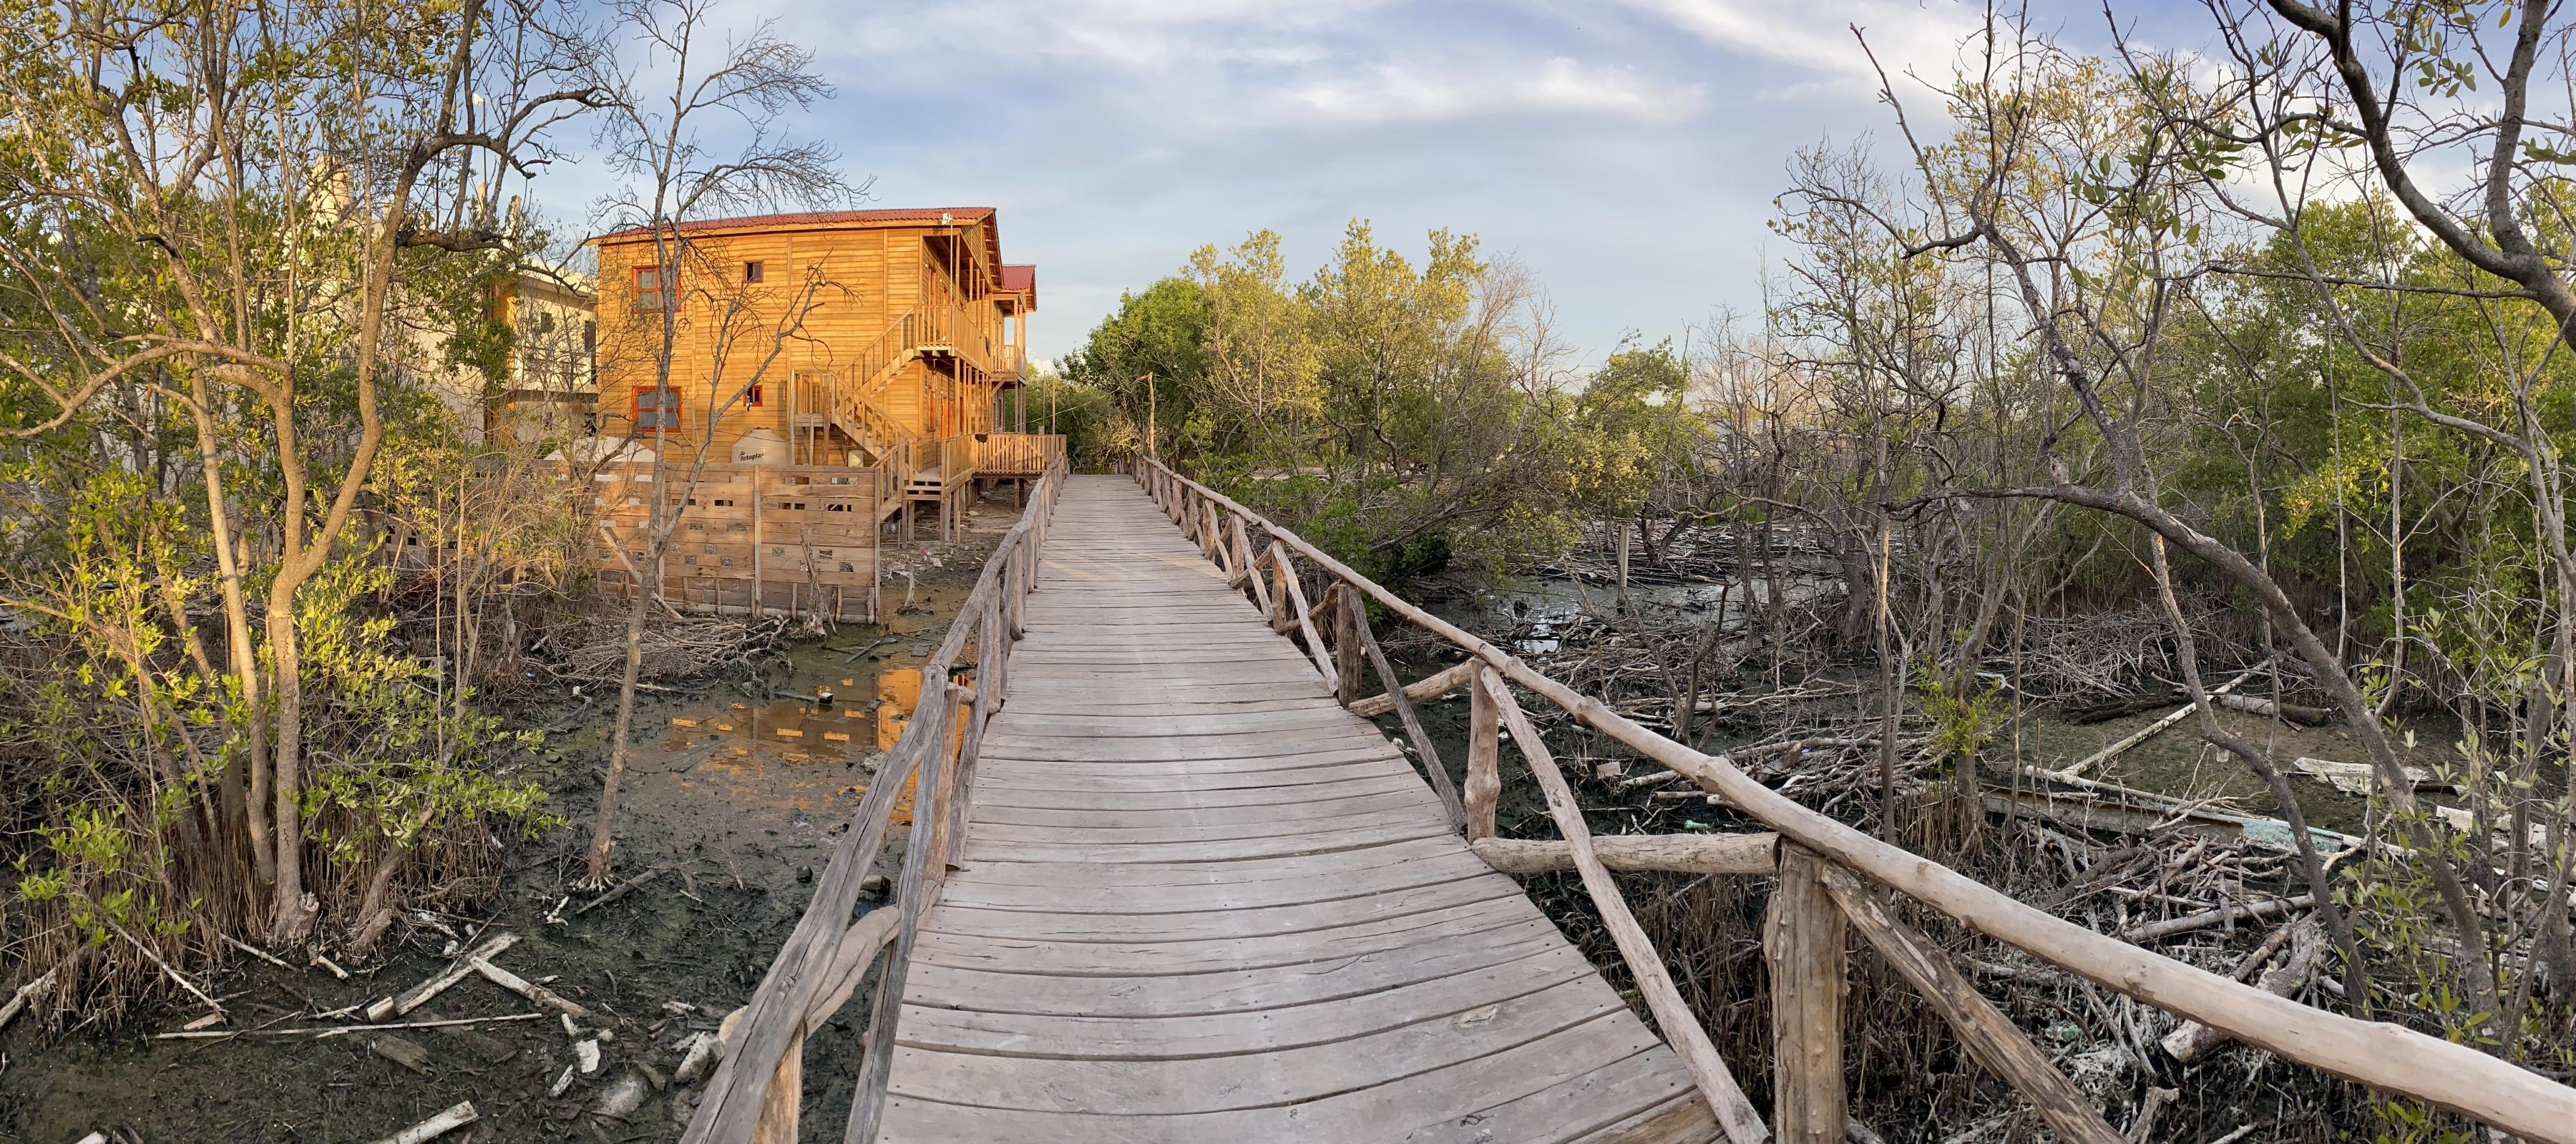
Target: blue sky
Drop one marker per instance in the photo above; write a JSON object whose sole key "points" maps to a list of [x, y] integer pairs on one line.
{"points": [[1628, 151]]}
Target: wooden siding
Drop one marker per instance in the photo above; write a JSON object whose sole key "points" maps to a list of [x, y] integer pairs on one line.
{"points": [[870, 276]]}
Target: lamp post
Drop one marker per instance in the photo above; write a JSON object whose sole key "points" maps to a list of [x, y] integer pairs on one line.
{"points": [[1148, 378]]}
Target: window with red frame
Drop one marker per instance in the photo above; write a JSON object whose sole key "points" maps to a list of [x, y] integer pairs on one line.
{"points": [[751, 395], [657, 410], [653, 287]]}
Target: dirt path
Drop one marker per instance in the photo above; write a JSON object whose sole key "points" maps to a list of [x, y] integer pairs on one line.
{"points": [[737, 792]]}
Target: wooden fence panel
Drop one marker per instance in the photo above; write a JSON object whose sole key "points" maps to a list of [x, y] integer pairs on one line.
{"points": [[786, 539]]}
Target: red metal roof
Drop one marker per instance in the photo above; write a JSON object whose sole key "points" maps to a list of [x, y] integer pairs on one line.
{"points": [[1021, 279], [956, 215]]}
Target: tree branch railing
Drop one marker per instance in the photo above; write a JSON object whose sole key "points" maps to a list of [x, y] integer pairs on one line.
{"points": [[756, 1088], [1832, 880]]}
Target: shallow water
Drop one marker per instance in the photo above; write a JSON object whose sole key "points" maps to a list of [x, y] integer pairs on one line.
{"points": [[741, 787]]}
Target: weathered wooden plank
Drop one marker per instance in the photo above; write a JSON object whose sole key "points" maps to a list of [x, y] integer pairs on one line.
{"points": [[1193, 901], [1230, 1034], [1362, 1114], [1277, 1076], [1000, 833], [1179, 780], [1295, 812], [1167, 799], [1598, 1107], [1207, 850], [1035, 925], [1238, 991]]}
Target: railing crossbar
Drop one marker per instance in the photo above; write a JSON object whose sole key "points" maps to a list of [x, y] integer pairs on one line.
{"points": [[2384, 1056]]}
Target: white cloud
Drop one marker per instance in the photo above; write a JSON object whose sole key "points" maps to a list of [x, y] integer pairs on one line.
{"points": [[1921, 36], [1406, 91]]}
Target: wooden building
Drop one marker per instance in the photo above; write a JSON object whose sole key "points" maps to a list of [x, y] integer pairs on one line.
{"points": [[882, 339]]}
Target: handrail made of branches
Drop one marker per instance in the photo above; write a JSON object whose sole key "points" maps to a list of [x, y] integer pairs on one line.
{"points": [[1839, 866], [756, 1087]]}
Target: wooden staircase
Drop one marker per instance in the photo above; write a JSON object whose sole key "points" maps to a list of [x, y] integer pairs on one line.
{"points": [[855, 410]]}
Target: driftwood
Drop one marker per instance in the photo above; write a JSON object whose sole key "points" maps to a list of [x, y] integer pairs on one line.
{"points": [[25, 996], [434, 1127], [2356, 778], [2151, 730], [2311, 716], [2251, 911], [419, 995], [622, 889], [408, 1054], [2307, 940], [525, 988], [245, 947], [336, 1030], [1680, 853]]}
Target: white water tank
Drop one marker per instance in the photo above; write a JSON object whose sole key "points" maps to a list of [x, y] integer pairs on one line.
{"points": [[760, 447]]}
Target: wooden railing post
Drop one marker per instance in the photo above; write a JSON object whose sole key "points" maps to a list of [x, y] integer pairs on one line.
{"points": [[1347, 621], [1296, 595], [1802, 939], [1280, 619], [1247, 572], [1673, 1018], [1357, 636], [1484, 749], [1989, 1036]]}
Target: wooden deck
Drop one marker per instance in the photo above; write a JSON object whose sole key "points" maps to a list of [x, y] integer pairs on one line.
{"points": [[1199, 901]]}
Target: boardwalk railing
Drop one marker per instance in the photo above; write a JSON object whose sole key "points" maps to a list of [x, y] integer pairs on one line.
{"points": [[1831, 877], [758, 1083], [1018, 454]]}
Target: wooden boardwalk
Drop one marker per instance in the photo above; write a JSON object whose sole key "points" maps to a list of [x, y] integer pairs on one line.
{"points": [[1198, 901]]}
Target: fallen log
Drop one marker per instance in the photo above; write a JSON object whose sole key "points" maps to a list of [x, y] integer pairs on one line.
{"points": [[2192, 1039], [2309, 716], [1679, 853], [2251, 911], [1425, 688], [525, 988], [26, 994], [419, 995], [2151, 730], [2355, 778]]}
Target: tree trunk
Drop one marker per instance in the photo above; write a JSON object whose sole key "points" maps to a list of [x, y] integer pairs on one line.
{"points": [[602, 831], [291, 917], [245, 779]]}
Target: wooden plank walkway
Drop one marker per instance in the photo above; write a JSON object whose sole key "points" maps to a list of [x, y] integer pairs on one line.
{"points": [[1200, 902]]}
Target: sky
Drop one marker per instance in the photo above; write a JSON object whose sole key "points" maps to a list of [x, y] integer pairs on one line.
{"points": [[1627, 151]]}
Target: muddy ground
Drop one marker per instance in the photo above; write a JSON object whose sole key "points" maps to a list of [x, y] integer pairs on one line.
{"points": [[737, 791]]}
